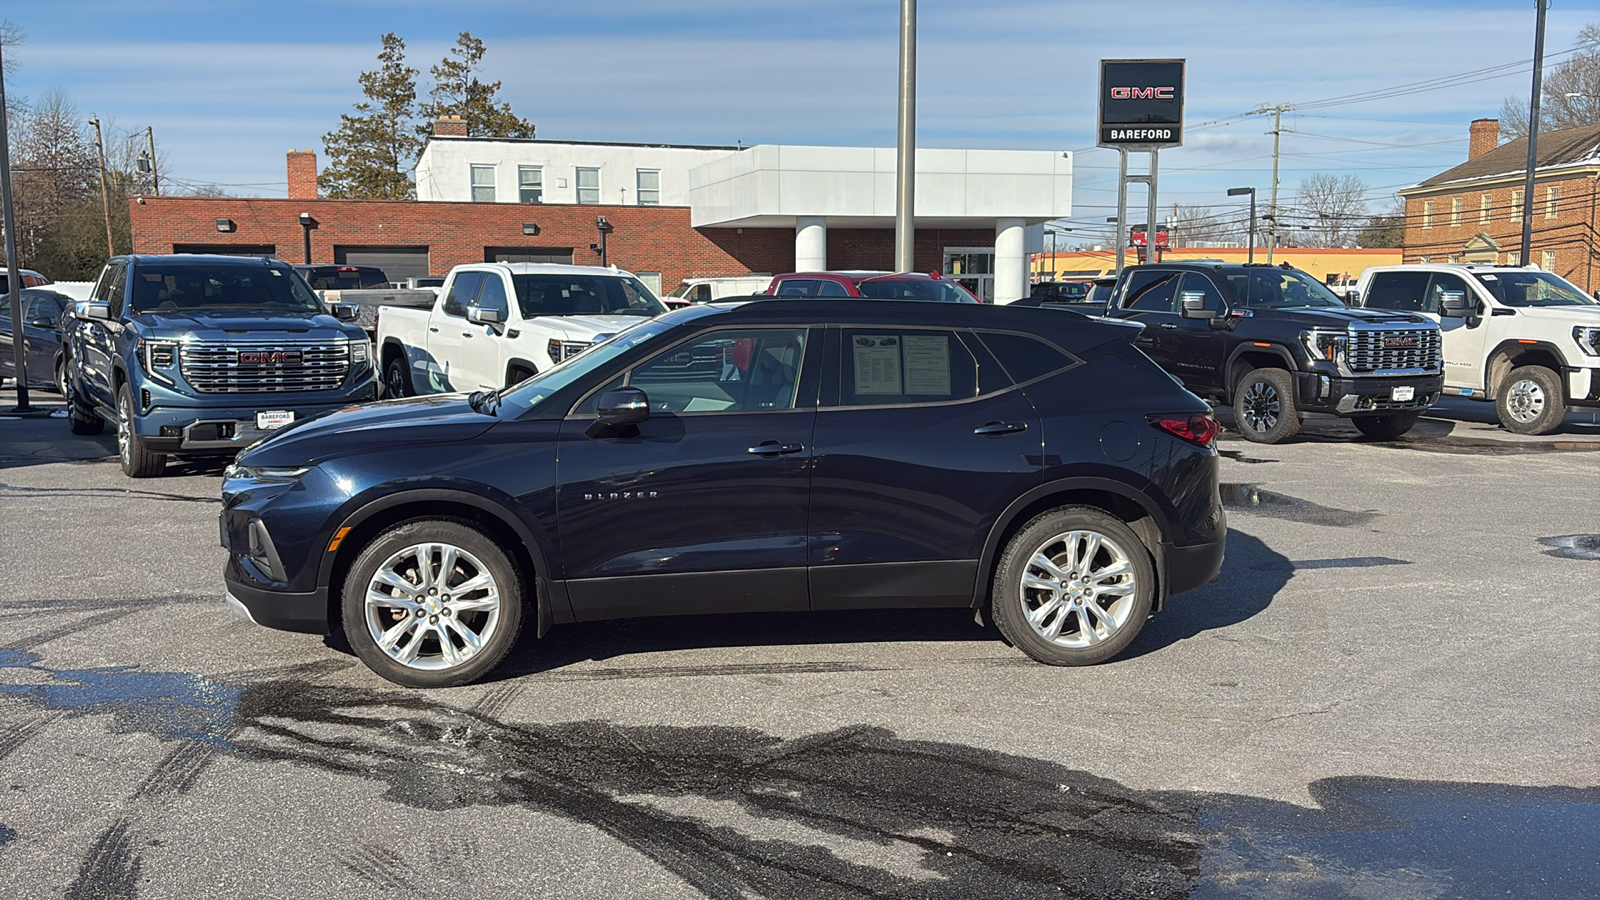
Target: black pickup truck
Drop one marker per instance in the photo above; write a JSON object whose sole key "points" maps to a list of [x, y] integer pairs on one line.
{"points": [[1274, 342]]}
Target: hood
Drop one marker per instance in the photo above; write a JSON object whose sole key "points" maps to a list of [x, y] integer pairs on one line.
{"points": [[436, 418], [584, 328], [1339, 317], [1576, 315], [255, 326]]}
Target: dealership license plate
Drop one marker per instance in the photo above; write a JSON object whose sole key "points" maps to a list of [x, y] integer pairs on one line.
{"points": [[274, 418], [1402, 393]]}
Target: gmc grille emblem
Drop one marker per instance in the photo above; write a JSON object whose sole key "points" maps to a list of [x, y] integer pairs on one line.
{"points": [[1399, 341], [269, 357]]}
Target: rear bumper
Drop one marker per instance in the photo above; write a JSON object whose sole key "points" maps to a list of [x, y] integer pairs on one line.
{"points": [[1192, 566]]}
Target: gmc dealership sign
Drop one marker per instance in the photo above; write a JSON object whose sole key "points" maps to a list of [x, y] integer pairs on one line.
{"points": [[1141, 103]]}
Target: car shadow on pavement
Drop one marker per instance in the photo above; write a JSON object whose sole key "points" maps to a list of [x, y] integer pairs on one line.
{"points": [[1252, 575]]}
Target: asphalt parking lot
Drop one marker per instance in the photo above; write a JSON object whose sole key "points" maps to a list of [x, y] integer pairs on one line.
{"points": [[1389, 693]]}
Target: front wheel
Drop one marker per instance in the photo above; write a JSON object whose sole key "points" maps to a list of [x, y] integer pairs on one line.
{"points": [[137, 461], [432, 603], [1263, 406], [81, 418], [1073, 587], [1386, 427], [1532, 401], [396, 379]]}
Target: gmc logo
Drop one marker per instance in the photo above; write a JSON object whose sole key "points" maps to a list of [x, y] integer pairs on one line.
{"points": [[1399, 341], [1145, 93], [269, 357]]}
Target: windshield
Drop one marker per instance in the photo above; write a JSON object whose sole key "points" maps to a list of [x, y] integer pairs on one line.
{"points": [[1533, 289], [1279, 288], [229, 288], [584, 295], [1100, 293], [915, 289], [536, 390], [326, 278]]}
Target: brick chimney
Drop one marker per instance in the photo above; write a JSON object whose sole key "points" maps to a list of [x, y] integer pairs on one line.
{"points": [[1485, 137], [302, 175], [449, 126]]}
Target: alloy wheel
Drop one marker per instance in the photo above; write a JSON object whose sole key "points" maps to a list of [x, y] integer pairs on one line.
{"points": [[1078, 589], [124, 429], [1261, 406], [432, 606]]}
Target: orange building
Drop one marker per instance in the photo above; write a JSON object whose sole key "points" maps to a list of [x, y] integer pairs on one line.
{"points": [[1324, 263]]}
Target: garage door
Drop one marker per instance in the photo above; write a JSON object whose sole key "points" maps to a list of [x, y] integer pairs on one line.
{"points": [[399, 263], [562, 255]]}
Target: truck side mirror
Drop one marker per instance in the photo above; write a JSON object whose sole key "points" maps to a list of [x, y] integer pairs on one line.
{"points": [[479, 316], [97, 310], [1454, 303], [1192, 305], [346, 312]]}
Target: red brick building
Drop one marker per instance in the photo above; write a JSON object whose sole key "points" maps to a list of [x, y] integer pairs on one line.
{"points": [[1472, 213], [417, 238]]}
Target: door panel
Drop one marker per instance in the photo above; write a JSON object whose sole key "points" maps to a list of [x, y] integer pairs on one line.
{"points": [[1195, 351], [1463, 347]]}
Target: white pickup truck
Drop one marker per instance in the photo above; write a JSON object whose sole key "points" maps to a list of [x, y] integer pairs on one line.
{"points": [[495, 324], [1527, 339]]}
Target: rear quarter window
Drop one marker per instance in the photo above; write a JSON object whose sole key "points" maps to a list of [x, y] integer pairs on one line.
{"points": [[1025, 358]]}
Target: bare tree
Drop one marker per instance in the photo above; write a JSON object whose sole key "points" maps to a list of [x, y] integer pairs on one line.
{"points": [[1328, 211], [1569, 97], [54, 169]]}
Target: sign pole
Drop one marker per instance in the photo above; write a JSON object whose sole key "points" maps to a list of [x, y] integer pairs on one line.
{"points": [[1151, 252], [1122, 208]]}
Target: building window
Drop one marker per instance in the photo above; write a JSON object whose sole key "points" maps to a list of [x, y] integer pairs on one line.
{"points": [[651, 280], [530, 184], [589, 186], [483, 184], [1455, 211], [1427, 214], [1551, 195], [1548, 260], [1484, 204], [1516, 206], [649, 190]]}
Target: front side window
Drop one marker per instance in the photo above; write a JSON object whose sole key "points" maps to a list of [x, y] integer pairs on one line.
{"points": [[463, 293], [589, 186], [827, 288], [578, 295], [493, 295], [1433, 300], [530, 184], [1196, 283], [1533, 289], [159, 288], [483, 184], [649, 187], [534, 391], [892, 366], [725, 371], [797, 287], [1151, 291]]}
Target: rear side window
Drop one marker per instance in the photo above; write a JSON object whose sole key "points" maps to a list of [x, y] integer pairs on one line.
{"points": [[1150, 291], [901, 366], [1025, 358], [831, 289], [1402, 291], [797, 287], [463, 290]]}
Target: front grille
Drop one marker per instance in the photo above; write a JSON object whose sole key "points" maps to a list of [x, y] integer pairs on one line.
{"points": [[1367, 352], [264, 367]]}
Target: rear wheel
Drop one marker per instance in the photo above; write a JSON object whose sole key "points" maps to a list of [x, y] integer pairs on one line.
{"points": [[1386, 427], [1532, 401], [432, 603], [1073, 587], [396, 379], [1264, 408], [137, 462]]}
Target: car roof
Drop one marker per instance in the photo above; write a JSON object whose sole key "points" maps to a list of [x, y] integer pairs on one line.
{"points": [[525, 268], [203, 259]]}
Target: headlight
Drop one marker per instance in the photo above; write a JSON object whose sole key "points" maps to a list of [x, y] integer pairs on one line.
{"points": [[157, 357], [267, 474], [359, 351], [1588, 338], [1325, 345], [563, 350]]}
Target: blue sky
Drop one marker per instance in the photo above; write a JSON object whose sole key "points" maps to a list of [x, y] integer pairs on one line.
{"points": [[229, 87]]}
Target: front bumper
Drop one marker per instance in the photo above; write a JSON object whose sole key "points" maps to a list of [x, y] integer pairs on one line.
{"points": [[306, 613], [226, 430], [1319, 392], [1583, 387]]}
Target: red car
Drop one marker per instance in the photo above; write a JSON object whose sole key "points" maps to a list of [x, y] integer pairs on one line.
{"points": [[876, 285]]}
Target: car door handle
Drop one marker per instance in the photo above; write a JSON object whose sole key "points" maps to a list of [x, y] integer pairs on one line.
{"points": [[433, 329], [466, 334], [773, 448], [1001, 428]]}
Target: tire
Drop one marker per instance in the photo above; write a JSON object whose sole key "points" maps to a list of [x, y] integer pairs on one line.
{"points": [[61, 377], [396, 378], [1045, 607], [1532, 401], [137, 462], [1386, 427], [81, 419], [1263, 406], [427, 645]]}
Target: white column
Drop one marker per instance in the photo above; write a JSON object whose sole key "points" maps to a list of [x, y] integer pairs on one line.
{"points": [[1010, 260], [810, 244]]}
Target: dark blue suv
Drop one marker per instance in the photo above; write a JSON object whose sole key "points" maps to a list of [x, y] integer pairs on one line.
{"points": [[775, 456]]}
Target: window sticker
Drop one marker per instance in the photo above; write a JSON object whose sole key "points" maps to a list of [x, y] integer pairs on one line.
{"points": [[877, 359], [927, 364]]}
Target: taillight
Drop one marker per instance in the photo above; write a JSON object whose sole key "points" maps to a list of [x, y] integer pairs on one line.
{"points": [[1200, 428]]}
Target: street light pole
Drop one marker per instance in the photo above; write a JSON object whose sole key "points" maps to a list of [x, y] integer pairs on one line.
{"points": [[906, 145], [1238, 192]]}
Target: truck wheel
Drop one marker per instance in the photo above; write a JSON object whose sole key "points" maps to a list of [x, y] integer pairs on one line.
{"points": [[80, 417], [396, 380], [1264, 408], [432, 603], [1073, 587], [61, 376], [137, 462], [1532, 401], [1387, 427]]}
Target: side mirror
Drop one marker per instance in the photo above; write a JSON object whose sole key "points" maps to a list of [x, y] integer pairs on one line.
{"points": [[623, 406], [1192, 305], [346, 312], [1454, 303], [97, 310], [479, 316], [41, 322]]}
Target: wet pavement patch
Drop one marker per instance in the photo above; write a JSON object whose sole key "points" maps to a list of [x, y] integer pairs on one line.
{"points": [[1252, 498], [1573, 546], [166, 704]]}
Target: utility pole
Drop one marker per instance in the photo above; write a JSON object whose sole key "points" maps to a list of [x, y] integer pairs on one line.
{"points": [[1272, 205], [13, 276], [1533, 132], [155, 174], [906, 147], [105, 195]]}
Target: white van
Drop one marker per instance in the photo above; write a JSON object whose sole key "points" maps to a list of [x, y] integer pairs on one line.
{"points": [[704, 290], [1527, 339]]}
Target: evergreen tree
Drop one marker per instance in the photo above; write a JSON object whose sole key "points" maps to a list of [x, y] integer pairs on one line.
{"points": [[457, 91], [370, 155]]}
